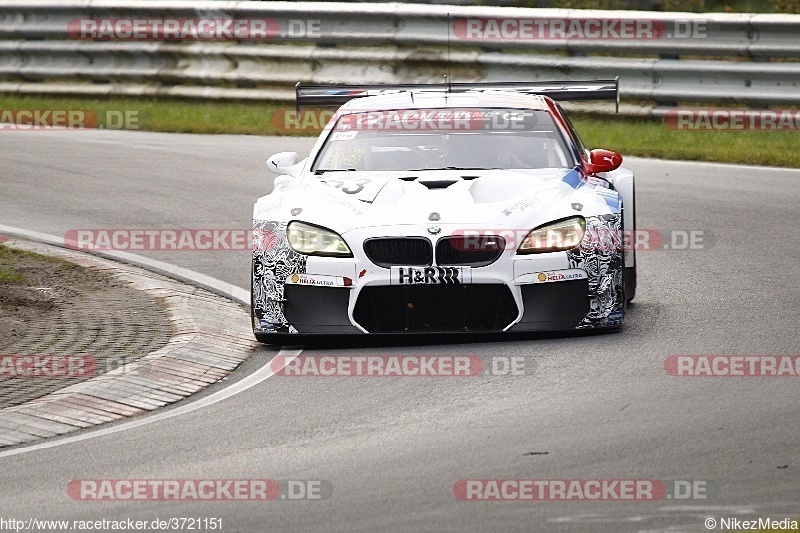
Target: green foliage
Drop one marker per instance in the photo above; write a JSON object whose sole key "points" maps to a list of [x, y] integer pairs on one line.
{"points": [[630, 136], [694, 6], [646, 137], [8, 275]]}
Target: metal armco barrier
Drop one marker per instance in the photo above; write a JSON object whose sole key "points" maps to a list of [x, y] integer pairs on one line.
{"points": [[59, 47]]}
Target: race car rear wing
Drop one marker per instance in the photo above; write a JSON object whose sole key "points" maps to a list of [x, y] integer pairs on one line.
{"points": [[336, 95]]}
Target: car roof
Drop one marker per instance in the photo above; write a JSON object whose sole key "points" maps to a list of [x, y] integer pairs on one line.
{"points": [[438, 99]]}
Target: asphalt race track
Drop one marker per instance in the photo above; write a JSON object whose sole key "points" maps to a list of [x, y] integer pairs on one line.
{"points": [[392, 449]]}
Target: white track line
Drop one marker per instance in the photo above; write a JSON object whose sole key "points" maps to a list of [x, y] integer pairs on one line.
{"points": [[195, 278], [228, 290], [253, 379]]}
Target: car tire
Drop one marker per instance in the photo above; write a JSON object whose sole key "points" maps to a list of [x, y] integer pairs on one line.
{"points": [[629, 280], [629, 283]]}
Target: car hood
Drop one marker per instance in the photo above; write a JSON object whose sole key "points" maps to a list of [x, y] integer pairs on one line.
{"points": [[468, 198]]}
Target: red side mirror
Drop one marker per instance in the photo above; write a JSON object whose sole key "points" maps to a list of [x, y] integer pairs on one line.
{"points": [[603, 161]]}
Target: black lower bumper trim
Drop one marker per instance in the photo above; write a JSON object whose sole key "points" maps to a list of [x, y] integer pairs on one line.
{"points": [[318, 309], [439, 308], [553, 306]]}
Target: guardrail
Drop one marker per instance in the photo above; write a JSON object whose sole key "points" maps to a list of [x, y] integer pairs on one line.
{"points": [[50, 46]]}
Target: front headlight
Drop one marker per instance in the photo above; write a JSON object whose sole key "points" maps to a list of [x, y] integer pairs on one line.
{"points": [[554, 237], [314, 240]]}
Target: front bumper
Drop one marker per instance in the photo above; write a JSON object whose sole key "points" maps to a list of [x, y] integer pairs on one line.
{"points": [[571, 290]]}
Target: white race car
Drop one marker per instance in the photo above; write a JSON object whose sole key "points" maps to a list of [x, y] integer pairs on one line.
{"points": [[444, 208]]}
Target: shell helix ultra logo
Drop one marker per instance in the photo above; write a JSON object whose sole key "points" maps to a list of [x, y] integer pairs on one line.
{"points": [[542, 276]]}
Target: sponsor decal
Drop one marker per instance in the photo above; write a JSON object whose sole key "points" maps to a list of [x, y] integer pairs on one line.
{"points": [[348, 185], [331, 199], [579, 489], [319, 280], [551, 277], [344, 135], [528, 201], [561, 275], [433, 275]]}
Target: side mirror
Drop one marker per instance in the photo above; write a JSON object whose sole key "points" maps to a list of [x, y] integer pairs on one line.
{"points": [[283, 163], [603, 161]]}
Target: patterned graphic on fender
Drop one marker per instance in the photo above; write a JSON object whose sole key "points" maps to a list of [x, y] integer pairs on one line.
{"points": [[273, 262], [600, 255]]}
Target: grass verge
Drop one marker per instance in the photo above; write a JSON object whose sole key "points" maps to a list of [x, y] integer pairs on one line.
{"points": [[644, 137], [651, 138], [11, 259]]}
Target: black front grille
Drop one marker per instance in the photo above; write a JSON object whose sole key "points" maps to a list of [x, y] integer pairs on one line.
{"points": [[474, 251], [438, 308], [408, 251]]}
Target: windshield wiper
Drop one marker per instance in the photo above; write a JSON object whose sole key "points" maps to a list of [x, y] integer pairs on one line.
{"points": [[324, 170], [320, 171], [450, 168]]}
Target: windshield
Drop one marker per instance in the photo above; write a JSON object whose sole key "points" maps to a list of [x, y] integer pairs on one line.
{"points": [[429, 139]]}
